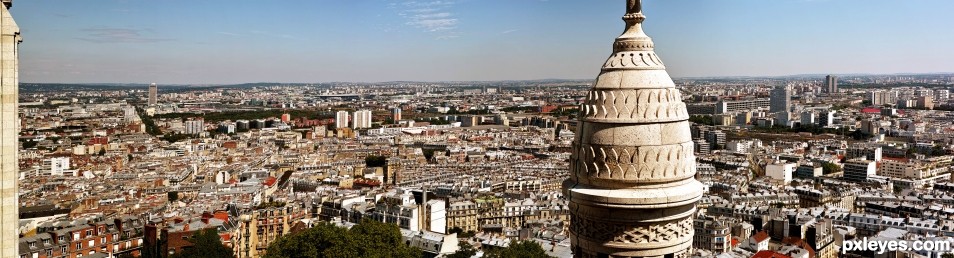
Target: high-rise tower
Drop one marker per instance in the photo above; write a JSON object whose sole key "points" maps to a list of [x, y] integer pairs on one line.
{"points": [[9, 129], [781, 99], [831, 84], [632, 190], [153, 94]]}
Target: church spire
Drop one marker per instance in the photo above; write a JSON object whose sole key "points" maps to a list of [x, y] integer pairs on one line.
{"points": [[632, 190]]}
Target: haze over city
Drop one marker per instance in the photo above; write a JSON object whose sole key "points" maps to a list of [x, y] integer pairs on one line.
{"points": [[218, 42]]}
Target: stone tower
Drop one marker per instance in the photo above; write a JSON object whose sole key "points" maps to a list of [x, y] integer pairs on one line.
{"points": [[632, 190], [9, 131]]}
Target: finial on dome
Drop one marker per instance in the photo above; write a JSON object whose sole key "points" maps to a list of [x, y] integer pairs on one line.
{"points": [[633, 38], [634, 6]]}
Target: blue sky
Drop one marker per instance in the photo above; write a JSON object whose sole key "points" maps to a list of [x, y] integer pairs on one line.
{"points": [[238, 41]]}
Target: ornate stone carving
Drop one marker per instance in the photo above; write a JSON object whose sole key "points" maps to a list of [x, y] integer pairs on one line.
{"points": [[632, 191], [675, 232], [634, 60], [634, 106], [644, 163]]}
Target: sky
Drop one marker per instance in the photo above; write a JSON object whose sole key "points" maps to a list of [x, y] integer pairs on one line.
{"points": [[306, 41]]}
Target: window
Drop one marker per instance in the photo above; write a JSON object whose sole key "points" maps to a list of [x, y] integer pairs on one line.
{"points": [[79, 246]]}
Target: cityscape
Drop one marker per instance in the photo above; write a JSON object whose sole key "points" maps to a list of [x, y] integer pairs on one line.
{"points": [[633, 163]]}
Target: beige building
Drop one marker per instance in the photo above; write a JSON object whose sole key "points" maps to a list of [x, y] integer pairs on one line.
{"points": [[916, 173], [262, 227], [463, 215], [9, 129], [712, 234]]}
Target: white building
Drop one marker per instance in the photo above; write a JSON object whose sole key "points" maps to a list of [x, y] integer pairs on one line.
{"points": [[741, 146], [194, 126], [781, 171], [341, 119], [56, 166], [436, 216], [362, 119]]}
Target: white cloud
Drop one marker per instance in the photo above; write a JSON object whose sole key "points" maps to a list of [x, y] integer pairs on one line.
{"points": [[431, 16]]}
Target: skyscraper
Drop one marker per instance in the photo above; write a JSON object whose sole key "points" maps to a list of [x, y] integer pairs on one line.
{"points": [[341, 119], [781, 99], [396, 114], [361, 119], [831, 84], [153, 94], [631, 189], [9, 129]]}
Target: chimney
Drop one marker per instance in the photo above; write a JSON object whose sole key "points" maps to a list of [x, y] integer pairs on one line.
{"points": [[185, 228]]}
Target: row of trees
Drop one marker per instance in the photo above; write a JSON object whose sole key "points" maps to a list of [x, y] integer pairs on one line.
{"points": [[375, 239], [366, 239]]}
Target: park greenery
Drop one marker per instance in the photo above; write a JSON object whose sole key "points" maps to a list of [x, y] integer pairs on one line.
{"points": [[366, 239], [518, 249], [206, 244]]}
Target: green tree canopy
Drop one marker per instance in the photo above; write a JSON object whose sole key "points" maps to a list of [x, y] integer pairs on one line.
{"points": [[367, 239], [466, 251], [206, 244], [828, 168], [519, 249], [376, 161]]}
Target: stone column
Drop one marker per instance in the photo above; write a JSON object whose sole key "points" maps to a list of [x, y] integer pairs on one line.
{"points": [[9, 132], [632, 190]]}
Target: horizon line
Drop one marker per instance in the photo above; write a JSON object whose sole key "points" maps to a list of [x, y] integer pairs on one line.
{"points": [[503, 80]]}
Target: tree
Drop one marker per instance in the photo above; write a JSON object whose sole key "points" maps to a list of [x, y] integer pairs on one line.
{"points": [[519, 249], [173, 196], [466, 251], [367, 239], [829, 168], [376, 161], [206, 244]]}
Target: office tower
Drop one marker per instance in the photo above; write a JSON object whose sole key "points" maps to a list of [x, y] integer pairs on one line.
{"points": [[631, 189], [827, 119], [194, 126], [859, 170], [341, 119], [396, 114], [781, 99], [831, 84], [876, 98], [9, 130], [925, 102], [361, 119], [809, 118], [153, 94], [242, 125]]}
